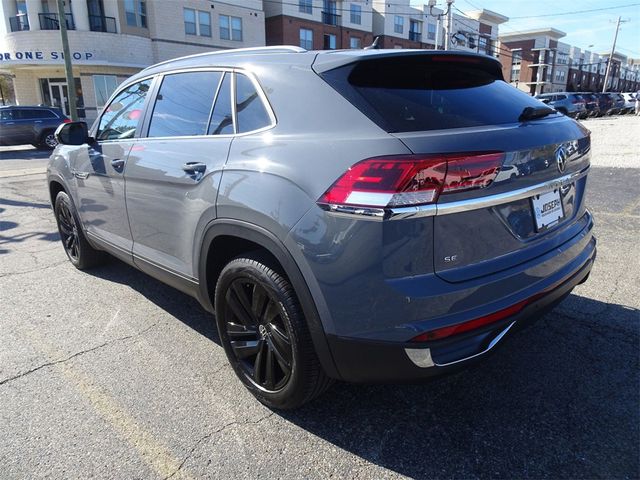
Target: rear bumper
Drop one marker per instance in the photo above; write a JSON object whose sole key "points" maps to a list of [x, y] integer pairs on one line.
{"points": [[375, 361]]}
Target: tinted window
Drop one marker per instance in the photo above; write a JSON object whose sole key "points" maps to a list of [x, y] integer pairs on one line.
{"points": [[222, 117], [28, 114], [251, 112], [121, 117], [6, 114], [183, 104], [421, 92]]}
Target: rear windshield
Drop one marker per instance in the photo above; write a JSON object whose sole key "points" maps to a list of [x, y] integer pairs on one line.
{"points": [[417, 93]]}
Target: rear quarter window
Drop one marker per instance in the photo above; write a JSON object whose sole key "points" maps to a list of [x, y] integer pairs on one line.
{"points": [[421, 92]]}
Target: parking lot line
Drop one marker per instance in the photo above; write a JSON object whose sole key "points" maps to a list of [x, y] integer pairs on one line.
{"points": [[152, 451]]}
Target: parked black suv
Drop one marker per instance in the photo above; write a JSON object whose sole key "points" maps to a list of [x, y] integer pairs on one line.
{"points": [[34, 125]]}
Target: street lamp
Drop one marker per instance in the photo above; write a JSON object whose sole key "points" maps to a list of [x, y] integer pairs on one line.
{"points": [[439, 16]]}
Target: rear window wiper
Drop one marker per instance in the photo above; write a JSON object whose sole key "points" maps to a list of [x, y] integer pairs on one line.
{"points": [[529, 113]]}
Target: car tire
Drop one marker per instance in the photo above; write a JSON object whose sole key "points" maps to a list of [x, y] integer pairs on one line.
{"points": [[265, 334], [80, 253], [48, 140]]}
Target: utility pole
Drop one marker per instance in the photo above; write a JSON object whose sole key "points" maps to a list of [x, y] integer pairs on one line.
{"points": [[447, 14], [449, 27], [71, 84], [613, 49]]}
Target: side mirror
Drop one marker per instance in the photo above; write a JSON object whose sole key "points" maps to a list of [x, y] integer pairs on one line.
{"points": [[73, 133]]}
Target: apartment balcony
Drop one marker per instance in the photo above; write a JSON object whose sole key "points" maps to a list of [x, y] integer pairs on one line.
{"points": [[330, 18], [19, 23], [100, 23], [415, 36], [51, 21]]}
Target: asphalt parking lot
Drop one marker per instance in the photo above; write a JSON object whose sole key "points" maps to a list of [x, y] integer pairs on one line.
{"points": [[112, 374]]}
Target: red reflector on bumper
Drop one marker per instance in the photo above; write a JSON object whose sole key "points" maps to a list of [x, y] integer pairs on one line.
{"points": [[444, 332]]}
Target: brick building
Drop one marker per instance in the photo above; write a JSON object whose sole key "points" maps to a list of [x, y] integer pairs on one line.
{"points": [[529, 60], [319, 24], [111, 40]]}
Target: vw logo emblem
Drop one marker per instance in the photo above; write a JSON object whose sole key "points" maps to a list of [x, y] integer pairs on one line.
{"points": [[561, 159]]}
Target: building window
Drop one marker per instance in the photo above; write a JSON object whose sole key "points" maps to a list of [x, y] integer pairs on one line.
{"points": [[230, 28], [431, 31], [329, 41], [204, 24], [104, 86], [306, 38], [398, 24], [136, 13], [415, 31], [305, 6], [356, 14], [516, 60], [355, 42], [190, 21]]}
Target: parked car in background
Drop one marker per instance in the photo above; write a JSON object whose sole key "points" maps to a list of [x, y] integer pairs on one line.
{"points": [[620, 103], [341, 212], [20, 125], [617, 103], [629, 101], [570, 104], [605, 104], [591, 103]]}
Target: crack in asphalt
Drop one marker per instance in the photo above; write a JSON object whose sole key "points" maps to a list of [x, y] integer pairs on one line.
{"points": [[77, 354], [211, 434], [37, 269]]}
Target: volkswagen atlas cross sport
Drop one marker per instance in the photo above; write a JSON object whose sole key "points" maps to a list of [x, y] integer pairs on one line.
{"points": [[368, 216]]}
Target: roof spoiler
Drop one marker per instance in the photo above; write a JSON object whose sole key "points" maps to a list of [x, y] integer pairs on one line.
{"points": [[329, 60]]}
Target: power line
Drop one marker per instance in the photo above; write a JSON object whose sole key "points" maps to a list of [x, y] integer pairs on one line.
{"points": [[575, 12]]}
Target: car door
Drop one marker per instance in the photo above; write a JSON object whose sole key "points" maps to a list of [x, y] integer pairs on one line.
{"points": [[99, 169], [8, 129], [173, 174]]}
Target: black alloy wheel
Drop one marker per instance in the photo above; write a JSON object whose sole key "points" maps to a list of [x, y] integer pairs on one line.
{"points": [[68, 231], [265, 334], [258, 336], [81, 254]]}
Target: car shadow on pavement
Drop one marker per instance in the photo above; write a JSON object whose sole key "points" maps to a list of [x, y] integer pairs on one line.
{"points": [[180, 305], [559, 399]]}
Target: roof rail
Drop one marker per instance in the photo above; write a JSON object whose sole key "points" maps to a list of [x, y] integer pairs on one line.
{"points": [[234, 51]]}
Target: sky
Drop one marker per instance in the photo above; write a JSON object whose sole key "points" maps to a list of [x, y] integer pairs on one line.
{"points": [[582, 29]]}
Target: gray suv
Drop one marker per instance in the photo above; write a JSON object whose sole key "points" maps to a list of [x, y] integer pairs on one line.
{"points": [[21, 125], [571, 104], [367, 216]]}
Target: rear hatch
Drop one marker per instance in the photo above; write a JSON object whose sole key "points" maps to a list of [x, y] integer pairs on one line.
{"points": [[497, 215]]}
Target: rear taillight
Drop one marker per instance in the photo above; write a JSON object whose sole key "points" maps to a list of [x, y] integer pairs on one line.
{"points": [[66, 120], [409, 180]]}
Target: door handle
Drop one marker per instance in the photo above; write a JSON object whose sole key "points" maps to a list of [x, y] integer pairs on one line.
{"points": [[194, 167], [117, 163], [38, 121]]}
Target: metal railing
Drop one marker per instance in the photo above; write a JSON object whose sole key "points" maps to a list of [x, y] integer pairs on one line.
{"points": [[19, 23], [415, 36], [100, 23], [50, 21], [329, 18]]}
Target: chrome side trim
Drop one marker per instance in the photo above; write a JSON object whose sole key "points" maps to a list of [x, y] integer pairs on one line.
{"points": [[507, 197], [422, 356], [431, 210]]}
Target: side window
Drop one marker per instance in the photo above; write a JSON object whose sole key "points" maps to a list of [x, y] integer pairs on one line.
{"points": [[183, 104], [222, 116], [251, 112], [46, 114], [25, 114], [6, 114], [121, 117]]}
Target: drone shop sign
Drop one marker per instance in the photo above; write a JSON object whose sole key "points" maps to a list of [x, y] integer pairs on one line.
{"points": [[38, 55]]}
